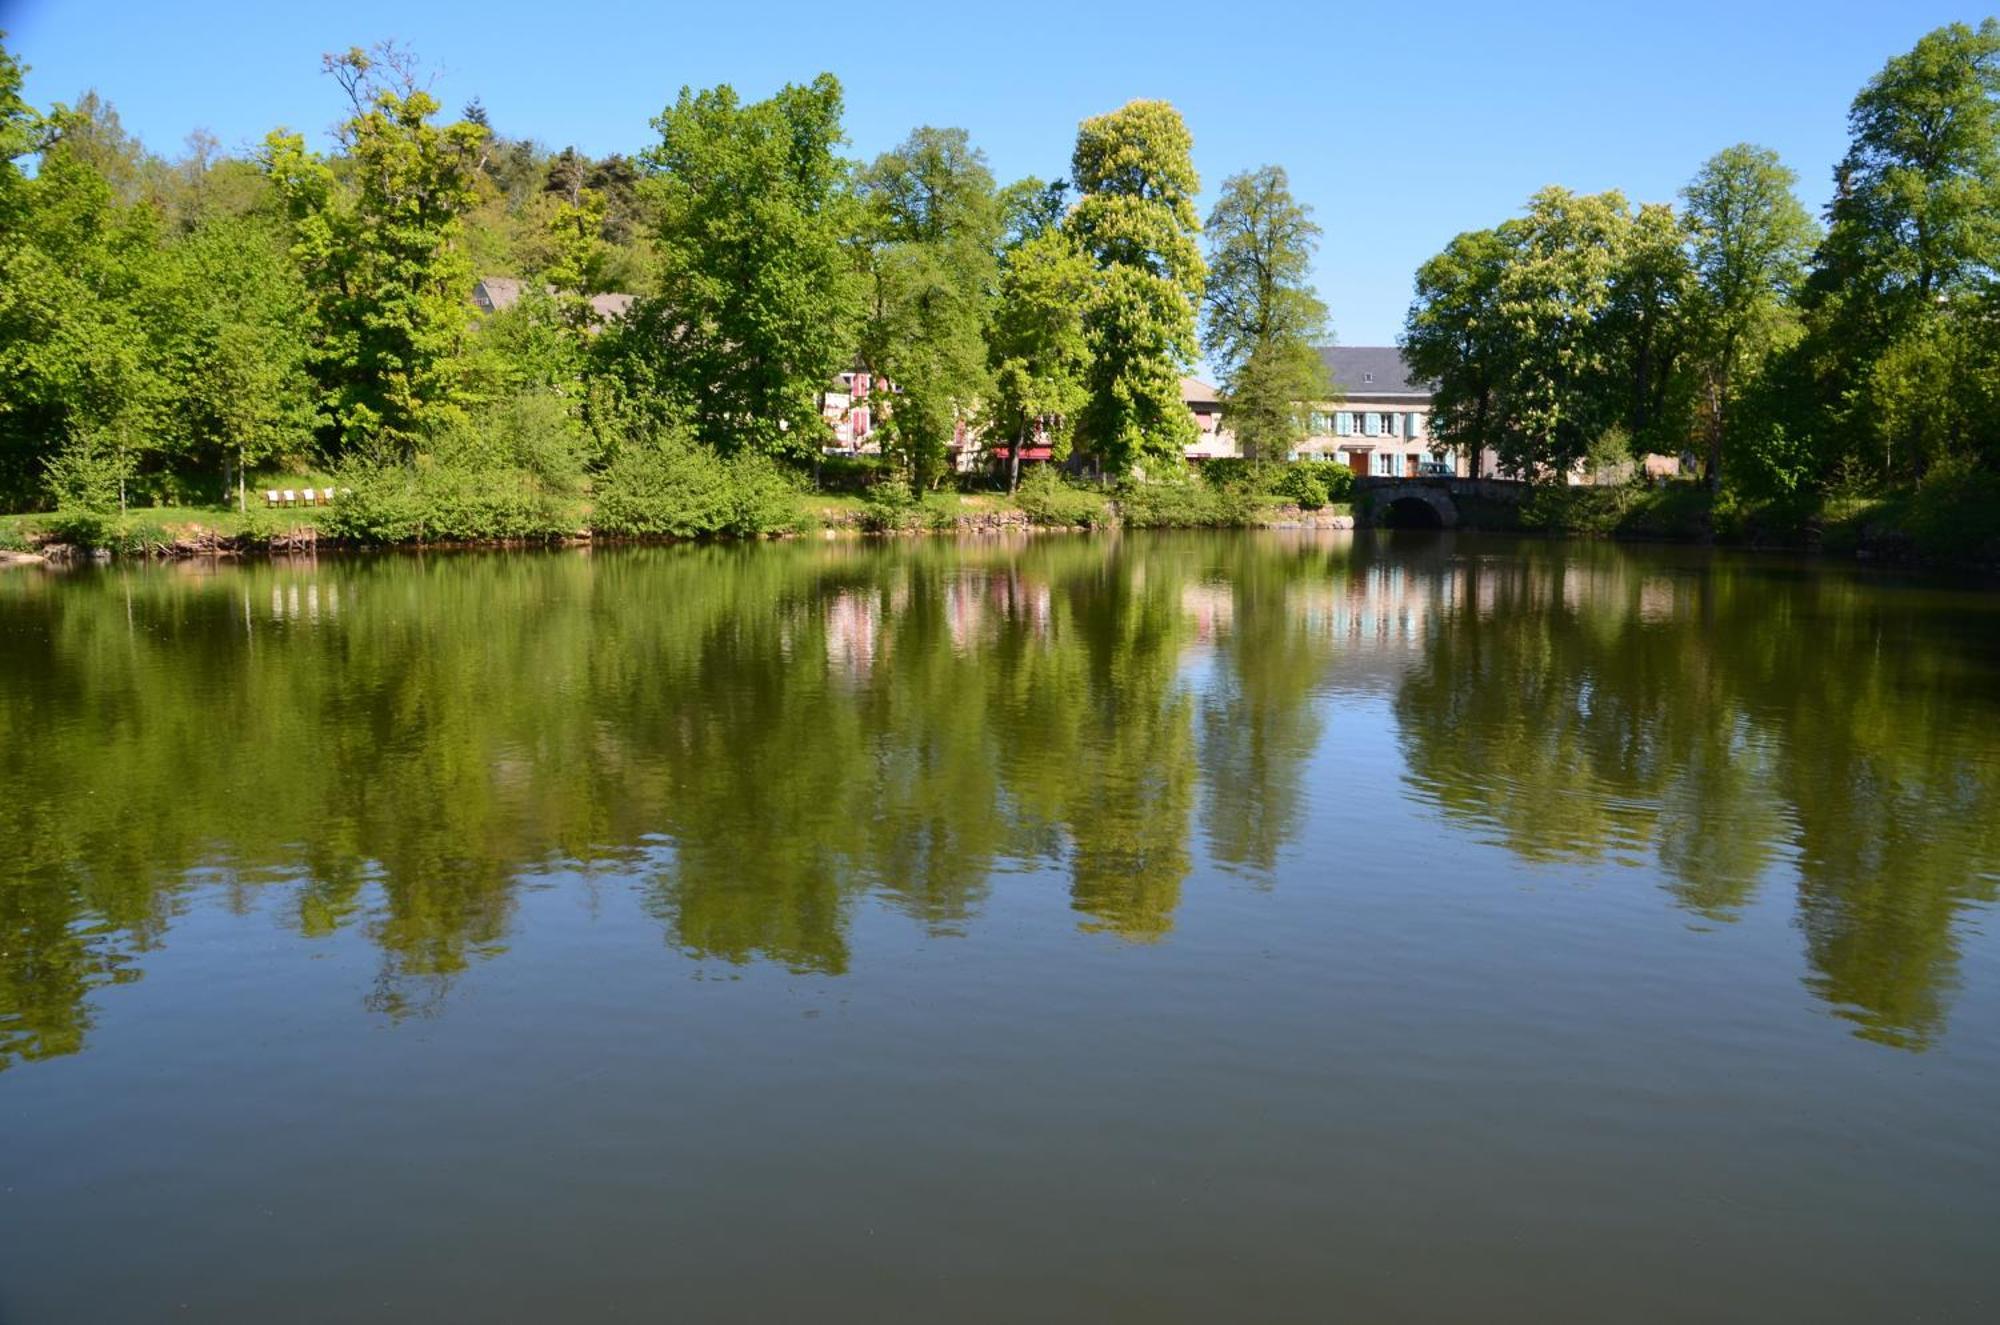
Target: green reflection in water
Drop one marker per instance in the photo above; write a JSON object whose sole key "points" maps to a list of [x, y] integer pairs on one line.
{"points": [[1588, 703], [764, 735]]}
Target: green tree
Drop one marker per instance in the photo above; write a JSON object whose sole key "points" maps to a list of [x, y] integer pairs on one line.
{"points": [[1040, 351], [932, 225], [228, 321], [1647, 330], [1564, 256], [78, 389], [1914, 236], [754, 310], [1263, 316], [384, 258], [1135, 217], [1456, 339], [1750, 239]]}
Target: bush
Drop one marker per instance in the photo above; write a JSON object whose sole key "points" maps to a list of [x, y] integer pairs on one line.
{"points": [[673, 487], [1178, 503], [1049, 500], [1232, 472], [516, 475], [1338, 481], [86, 474], [851, 474], [1303, 485]]}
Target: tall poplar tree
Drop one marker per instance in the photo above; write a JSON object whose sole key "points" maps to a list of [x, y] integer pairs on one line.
{"points": [[1263, 315], [1134, 172]]}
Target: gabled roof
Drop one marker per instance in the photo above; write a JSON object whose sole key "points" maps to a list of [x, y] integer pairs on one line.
{"points": [[1370, 370], [496, 294], [1194, 391]]}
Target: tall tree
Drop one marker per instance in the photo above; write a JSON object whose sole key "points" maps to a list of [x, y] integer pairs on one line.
{"points": [[1455, 339], [80, 394], [1135, 217], [1913, 237], [1918, 211], [756, 295], [932, 225], [384, 261], [1647, 329], [1263, 315], [1040, 352], [228, 319], [1750, 239], [1564, 255]]}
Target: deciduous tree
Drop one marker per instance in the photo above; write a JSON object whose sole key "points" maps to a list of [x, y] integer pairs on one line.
{"points": [[1750, 240], [1135, 217], [756, 303], [1263, 315]]}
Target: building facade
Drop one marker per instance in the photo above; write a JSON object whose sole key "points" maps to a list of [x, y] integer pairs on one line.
{"points": [[1380, 426]]}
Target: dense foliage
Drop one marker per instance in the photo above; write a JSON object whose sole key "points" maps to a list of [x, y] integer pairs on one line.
{"points": [[1790, 359], [173, 331]]}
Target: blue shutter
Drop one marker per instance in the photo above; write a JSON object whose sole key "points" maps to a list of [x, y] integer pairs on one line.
{"points": [[1343, 424], [1410, 425], [1371, 423]]}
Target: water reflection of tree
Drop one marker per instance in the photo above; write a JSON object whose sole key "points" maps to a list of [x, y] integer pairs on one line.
{"points": [[1577, 707], [1258, 722], [392, 746]]}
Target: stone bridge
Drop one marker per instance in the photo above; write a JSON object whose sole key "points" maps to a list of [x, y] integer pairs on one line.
{"points": [[1437, 502]]}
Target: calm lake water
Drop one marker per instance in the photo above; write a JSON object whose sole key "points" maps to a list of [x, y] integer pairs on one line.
{"points": [[1171, 928]]}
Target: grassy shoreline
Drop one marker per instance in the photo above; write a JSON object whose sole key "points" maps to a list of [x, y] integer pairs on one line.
{"points": [[1944, 524], [189, 531], [1950, 521]]}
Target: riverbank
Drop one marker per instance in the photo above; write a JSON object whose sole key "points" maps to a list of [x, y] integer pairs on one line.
{"points": [[168, 533], [1952, 520]]}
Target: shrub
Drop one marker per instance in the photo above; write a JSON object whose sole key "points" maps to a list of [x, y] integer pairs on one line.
{"points": [[853, 474], [677, 488], [1338, 481], [517, 474], [1048, 499], [1231, 472], [1302, 484], [1181, 504], [86, 474]]}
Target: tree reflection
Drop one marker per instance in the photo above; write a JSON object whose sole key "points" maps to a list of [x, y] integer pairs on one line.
{"points": [[764, 736], [1576, 706]]}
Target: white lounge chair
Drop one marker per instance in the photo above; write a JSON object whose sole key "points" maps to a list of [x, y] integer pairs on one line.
{"points": [[291, 497]]}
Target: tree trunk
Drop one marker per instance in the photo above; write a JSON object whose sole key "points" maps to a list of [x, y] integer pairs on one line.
{"points": [[1718, 393], [1014, 464]]}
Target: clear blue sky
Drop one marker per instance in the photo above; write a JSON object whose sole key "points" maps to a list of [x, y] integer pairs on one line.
{"points": [[1402, 124]]}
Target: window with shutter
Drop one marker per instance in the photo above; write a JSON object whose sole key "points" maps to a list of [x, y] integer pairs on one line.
{"points": [[1371, 423], [1343, 424]]}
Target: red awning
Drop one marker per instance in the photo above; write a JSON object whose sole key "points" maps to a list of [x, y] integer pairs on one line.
{"points": [[1027, 452]]}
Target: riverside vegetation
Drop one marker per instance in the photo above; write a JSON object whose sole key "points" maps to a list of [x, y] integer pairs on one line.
{"points": [[1837, 380], [174, 332]]}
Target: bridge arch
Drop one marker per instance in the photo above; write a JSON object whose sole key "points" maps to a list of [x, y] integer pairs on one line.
{"points": [[1427, 509], [1409, 504]]}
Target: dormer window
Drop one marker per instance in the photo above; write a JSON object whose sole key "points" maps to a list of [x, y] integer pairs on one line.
{"points": [[1367, 377]]}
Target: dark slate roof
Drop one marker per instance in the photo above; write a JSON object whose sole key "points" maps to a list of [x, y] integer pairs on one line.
{"points": [[1370, 370]]}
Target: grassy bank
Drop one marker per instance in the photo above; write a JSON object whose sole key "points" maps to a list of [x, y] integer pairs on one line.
{"points": [[1949, 518], [670, 493]]}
